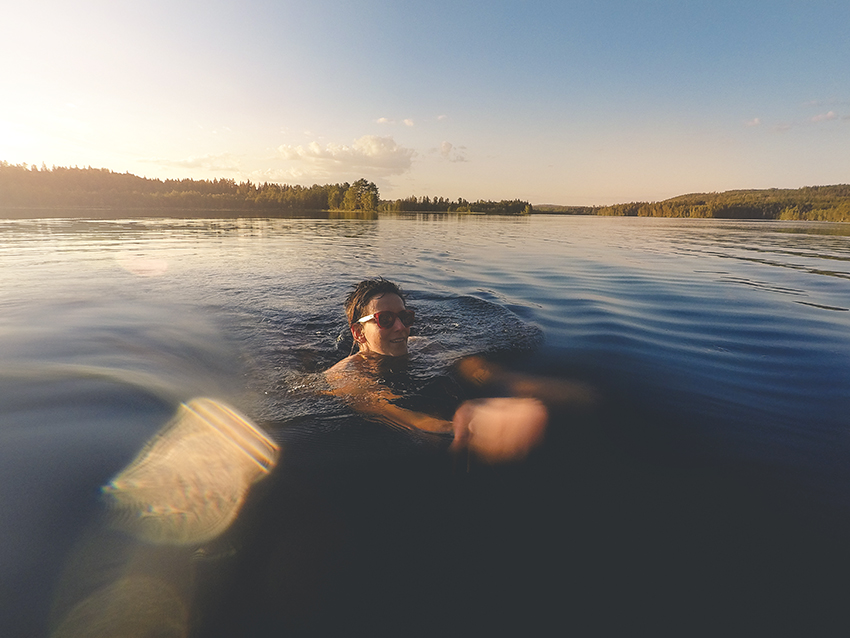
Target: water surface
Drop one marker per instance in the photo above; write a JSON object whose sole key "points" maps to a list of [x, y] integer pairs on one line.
{"points": [[721, 351]]}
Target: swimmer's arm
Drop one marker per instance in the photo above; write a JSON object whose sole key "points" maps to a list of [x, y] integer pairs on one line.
{"points": [[394, 415], [373, 399], [556, 393]]}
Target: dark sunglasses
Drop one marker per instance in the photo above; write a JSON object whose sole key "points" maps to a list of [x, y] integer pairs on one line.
{"points": [[386, 318]]}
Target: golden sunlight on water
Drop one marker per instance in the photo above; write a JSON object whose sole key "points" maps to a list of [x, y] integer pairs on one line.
{"points": [[189, 482], [142, 266]]}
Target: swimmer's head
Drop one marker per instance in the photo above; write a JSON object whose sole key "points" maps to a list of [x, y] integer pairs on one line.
{"points": [[364, 292], [369, 297]]}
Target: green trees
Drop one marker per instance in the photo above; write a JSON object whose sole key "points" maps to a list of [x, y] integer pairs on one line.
{"points": [[824, 203], [443, 205], [336, 193], [23, 186], [361, 195]]}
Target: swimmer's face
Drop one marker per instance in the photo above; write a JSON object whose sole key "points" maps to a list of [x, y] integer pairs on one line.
{"points": [[390, 341]]}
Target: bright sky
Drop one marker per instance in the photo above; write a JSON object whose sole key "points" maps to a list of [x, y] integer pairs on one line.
{"points": [[550, 101]]}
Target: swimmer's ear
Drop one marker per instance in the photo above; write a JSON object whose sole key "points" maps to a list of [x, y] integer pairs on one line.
{"points": [[357, 332]]}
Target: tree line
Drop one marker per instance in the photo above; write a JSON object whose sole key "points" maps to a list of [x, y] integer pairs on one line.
{"points": [[24, 186], [60, 187], [815, 203], [443, 205]]}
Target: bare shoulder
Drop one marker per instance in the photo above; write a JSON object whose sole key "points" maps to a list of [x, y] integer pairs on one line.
{"points": [[340, 367], [348, 367], [354, 378], [348, 376]]}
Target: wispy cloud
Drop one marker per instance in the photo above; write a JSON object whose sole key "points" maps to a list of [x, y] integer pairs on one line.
{"points": [[220, 162], [371, 154], [452, 153], [387, 120], [826, 111], [442, 117], [825, 117]]}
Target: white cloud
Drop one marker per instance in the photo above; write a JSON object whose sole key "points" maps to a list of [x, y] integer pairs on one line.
{"points": [[386, 120], [221, 162], [370, 154], [754, 122], [442, 117], [825, 117]]}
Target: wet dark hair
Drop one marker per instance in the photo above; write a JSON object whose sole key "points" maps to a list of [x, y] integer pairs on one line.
{"points": [[364, 292]]}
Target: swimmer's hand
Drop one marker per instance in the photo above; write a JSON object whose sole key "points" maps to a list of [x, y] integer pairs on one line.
{"points": [[500, 429]]}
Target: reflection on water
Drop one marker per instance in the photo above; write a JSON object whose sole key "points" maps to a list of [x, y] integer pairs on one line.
{"points": [[717, 352], [842, 230]]}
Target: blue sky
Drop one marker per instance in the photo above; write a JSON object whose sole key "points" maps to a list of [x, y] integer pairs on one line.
{"points": [[551, 102]]}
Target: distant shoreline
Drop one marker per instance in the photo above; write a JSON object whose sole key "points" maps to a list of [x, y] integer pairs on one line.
{"points": [[29, 192], [138, 213]]}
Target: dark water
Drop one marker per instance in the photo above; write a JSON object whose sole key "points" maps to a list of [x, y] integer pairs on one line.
{"points": [[708, 491]]}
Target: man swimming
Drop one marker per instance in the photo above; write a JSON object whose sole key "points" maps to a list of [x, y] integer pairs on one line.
{"points": [[496, 429]]}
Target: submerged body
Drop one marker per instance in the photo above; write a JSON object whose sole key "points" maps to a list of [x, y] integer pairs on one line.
{"points": [[499, 429]]}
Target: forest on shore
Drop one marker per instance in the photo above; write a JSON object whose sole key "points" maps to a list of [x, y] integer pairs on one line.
{"points": [[68, 189], [815, 203], [60, 188]]}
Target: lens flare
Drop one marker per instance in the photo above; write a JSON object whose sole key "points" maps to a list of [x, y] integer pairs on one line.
{"points": [[190, 481], [131, 607]]}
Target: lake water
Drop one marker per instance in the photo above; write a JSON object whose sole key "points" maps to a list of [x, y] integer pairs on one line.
{"points": [[708, 490]]}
